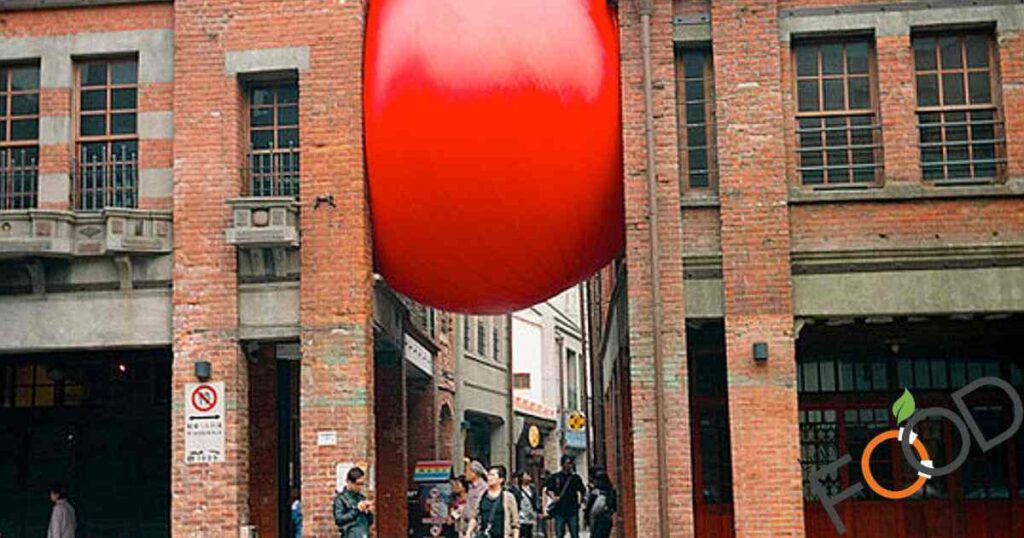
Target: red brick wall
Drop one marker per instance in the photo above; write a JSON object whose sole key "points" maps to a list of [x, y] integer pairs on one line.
{"points": [[644, 464], [756, 271], [208, 500]]}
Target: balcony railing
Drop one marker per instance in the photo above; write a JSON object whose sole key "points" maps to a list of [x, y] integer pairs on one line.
{"points": [[19, 178], [106, 182], [272, 172]]}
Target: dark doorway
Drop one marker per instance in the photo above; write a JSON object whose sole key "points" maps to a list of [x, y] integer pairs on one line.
{"points": [[99, 423]]}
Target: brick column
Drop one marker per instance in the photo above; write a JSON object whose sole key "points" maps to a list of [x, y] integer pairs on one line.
{"points": [[896, 104], [336, 290], [392, 445], [672, 324], [1011, 77], [756, 269], [208, 500]]}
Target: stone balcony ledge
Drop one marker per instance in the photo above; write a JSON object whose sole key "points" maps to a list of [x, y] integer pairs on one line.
{"points": [[62, 233], [264, 221]]}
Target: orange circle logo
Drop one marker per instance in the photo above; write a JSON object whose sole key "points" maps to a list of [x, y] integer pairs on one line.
{"points": [[865, 467]]}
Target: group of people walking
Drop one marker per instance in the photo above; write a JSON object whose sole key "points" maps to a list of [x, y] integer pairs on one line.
{"points": [[484, 505]]}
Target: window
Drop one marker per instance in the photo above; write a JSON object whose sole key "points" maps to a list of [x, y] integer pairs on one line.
{"points": [[960, 127], [481, 337], [521, 381], [19, 136], [107, 141], [695, 98], [273, 161], [572, 391], [496, 341], [466, 333], [837, 116]]}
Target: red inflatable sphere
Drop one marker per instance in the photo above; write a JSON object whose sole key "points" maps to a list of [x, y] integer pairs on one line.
{"points": [[493, 148]]}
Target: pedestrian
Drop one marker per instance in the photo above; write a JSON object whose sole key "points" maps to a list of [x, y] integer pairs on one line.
{"points": [[296, 513], [456, 527], [602, 503], [547, 522], [475, 474], [528, 505], [352, 512], [496, 514], [62, 518], [565, 488]]}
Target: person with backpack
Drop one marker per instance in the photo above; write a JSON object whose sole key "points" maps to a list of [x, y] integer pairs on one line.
{"points": [[528, 505], [496, 514], [566, 491], [602, 504], [352, 512]]}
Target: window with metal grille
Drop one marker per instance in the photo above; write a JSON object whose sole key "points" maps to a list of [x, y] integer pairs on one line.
{"points": [[19, 136], [107, 139], [837, 114], [695, 98], [958, 116], [273, 159]]}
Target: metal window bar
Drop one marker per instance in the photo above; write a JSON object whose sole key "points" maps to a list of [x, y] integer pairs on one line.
{"points": [[273, 172], [19, 179], [958, 169], [833, 173], [110, 182]]}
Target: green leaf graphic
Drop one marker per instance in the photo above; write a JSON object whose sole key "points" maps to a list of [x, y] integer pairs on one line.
{"points": [[904, 406]]}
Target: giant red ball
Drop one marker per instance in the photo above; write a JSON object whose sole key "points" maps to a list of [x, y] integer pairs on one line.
{"points": [[493, 148]]}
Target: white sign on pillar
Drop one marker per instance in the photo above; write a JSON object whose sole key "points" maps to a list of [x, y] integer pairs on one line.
{"points": [[204, 423]]}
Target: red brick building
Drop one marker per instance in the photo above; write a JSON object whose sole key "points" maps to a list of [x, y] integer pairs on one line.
{"points": [[121, 117], [823, 207]]}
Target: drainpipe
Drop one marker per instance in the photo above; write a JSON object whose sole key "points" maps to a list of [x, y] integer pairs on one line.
{"points": [[512, 452], [652, 220], [588, 376]]}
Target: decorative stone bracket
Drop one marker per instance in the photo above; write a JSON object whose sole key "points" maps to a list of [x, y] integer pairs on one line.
{"points": [[59, 233], [265, 221]]}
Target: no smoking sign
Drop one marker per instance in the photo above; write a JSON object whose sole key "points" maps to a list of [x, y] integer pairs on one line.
{"points": [[204, 423], [204, 398]]}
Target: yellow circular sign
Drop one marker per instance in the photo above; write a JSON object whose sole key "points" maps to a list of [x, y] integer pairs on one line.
{"points": [[534, 436], [577, 422]]}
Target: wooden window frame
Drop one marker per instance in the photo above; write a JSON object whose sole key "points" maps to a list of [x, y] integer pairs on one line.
{"points": [[12, 171], [710, 120], [968, 108], [521, 381], [873, 112], [284, 179], [128, 166]]}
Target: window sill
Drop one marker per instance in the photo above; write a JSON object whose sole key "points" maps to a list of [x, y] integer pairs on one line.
{"points": [[264, 221], [46, 232], [899, 190], [699, 199]]}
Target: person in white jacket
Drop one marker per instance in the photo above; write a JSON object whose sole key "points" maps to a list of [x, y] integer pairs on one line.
{"points": [[62, 519]]}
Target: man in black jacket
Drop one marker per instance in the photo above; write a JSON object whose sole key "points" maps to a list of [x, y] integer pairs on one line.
{"points": [[565, 488], [352, 512]]}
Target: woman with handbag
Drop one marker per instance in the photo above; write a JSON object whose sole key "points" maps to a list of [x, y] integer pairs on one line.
{"points": [[496, 514]]}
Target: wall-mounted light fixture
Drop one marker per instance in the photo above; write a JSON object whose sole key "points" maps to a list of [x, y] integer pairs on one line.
{"points": [[760, 351], [204, 370]]}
